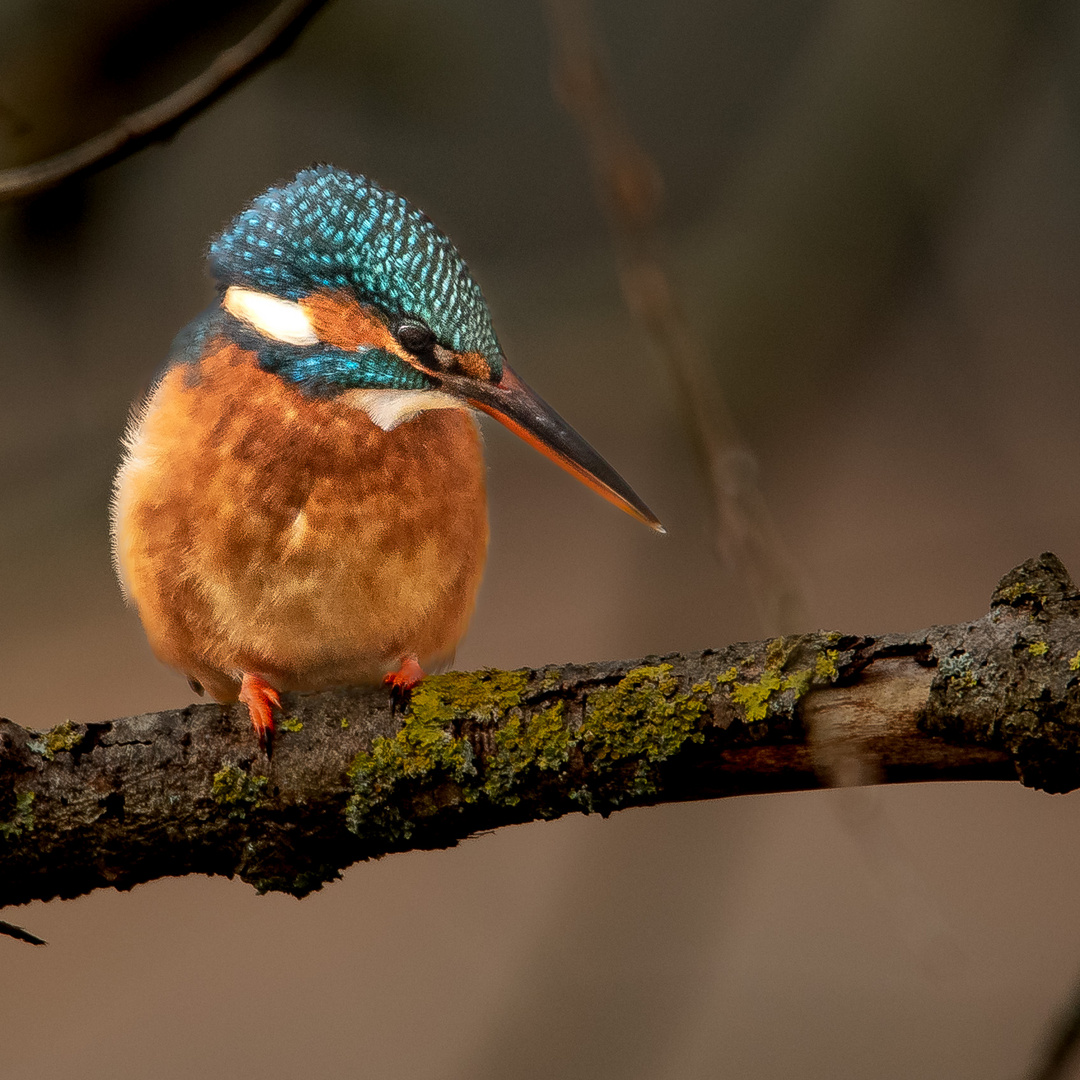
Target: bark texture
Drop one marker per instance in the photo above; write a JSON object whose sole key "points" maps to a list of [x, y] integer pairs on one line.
{"points": [[84, 806]]}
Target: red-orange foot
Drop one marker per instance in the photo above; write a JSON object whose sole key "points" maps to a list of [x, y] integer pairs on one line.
{"points": [[402, 681], [260, 698]]}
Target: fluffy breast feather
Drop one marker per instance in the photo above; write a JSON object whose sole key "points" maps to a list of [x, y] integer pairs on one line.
{"points": [[260, 530]]}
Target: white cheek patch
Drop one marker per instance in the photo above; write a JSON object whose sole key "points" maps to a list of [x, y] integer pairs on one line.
{"points": [[388, 408], [282, 320]]}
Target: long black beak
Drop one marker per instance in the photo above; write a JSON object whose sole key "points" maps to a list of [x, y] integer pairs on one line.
{"points": [[525, 413]]}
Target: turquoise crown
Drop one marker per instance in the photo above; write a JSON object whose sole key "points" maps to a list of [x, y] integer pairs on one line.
{"points": [[329, 229]]}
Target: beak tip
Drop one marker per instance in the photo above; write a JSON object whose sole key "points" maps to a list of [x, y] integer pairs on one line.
{"points": [[513, 404]]}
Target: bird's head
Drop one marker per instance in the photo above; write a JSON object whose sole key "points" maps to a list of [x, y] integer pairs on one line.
{"points": [[345, 289]]}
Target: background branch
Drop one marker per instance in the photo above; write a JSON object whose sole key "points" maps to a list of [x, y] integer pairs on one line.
{"points": [[164, 118], [630, 190], [1060, 1048], [84, 806]]}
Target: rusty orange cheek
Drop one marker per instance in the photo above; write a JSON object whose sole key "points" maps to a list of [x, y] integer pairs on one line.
{"points": [[342, 321], [473, 365]]}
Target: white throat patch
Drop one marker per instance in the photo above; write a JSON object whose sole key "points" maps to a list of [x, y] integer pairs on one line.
{"points": [[282, 320], [388, 408]]}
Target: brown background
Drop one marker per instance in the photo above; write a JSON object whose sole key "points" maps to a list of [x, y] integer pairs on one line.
{"points": [[906, 373]]}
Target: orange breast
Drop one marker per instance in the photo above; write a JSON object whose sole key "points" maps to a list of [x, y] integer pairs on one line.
{"points": [[260, 530]]}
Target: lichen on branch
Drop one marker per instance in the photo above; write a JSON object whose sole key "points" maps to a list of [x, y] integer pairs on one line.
{"points": [[84, 806]]}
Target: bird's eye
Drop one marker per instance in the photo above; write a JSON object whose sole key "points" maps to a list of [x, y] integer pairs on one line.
{"points": [[414, 336]]}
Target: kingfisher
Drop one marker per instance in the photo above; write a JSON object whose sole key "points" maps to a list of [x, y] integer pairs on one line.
{"points": [[301, 499]]}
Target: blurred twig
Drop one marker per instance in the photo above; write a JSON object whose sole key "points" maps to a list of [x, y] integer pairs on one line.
{"points": [[11, 930], [1060, 1049], [746, 534], [630, 191], [162, 119]]}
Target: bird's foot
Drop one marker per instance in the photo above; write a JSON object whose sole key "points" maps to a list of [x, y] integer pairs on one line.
{"points": [[260, 698], [402, 681]]}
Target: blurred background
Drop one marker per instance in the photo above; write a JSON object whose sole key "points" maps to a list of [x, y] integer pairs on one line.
{"points": [[872, 217]]}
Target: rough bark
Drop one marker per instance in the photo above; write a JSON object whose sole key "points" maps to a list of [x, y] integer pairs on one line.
{"points": [[188, 791]]}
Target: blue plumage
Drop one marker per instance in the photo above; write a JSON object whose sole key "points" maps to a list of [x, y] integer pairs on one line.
{"points": [[323, 371], [329, 229]]}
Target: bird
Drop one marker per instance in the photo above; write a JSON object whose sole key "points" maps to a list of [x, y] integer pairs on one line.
{"points": [[300, 502]]}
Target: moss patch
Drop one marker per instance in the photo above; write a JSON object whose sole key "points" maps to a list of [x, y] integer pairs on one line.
{"points": [[300, 884], [640, 722], [479, 695], [426, 748], [237, 791], [22, 820], [644, 717], [65, 736], [618, 740], [521, 748], [428, 765], [551, 678]]}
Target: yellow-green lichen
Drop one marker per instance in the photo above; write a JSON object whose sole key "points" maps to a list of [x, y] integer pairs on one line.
{"points": [[22, 820], [957, 670], [639, 722], [425, 747], [1011, 593], [521, 747], [621, 738], [551, 679], [344, 723], [825, 669], [65, 736], [755, 697], [48, 744], [644, 716], [1074, 663], [480, 695], [1022, 590], [291, 723], [1038, 648], [237, 791]]}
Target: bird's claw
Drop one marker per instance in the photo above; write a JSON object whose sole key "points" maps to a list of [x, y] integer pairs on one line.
{"points": [[400, 696], [261, 699], [401, 683]]}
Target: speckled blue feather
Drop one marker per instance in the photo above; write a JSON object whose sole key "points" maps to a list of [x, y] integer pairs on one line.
{"points": [[323, 371], [328, 229]]}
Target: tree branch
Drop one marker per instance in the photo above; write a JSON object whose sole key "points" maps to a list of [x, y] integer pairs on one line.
{"points": [[84, 806], [165, 117], [630, 190]]}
